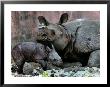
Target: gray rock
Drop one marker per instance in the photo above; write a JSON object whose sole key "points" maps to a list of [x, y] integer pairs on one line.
{"points": [[88, 72], [94, 59], [68, 69], [75, 69], [51, 66], [29, 67], [53, 71], [37, 71], [62, 75], [74, 64]]}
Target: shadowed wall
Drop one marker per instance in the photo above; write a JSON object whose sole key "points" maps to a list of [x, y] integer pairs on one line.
{"points": [[24, 24]]}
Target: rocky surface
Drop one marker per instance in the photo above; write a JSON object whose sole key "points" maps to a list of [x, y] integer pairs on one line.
{"points": [[69, 70], [30, 67]]}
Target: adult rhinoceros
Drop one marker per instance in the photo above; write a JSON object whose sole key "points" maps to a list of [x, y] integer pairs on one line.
{"points": [[77, 40]]}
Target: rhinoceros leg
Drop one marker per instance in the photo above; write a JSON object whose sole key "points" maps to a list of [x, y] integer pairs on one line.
{"points": [[18, 59], [94, 59], [19, 62], [20, 65]]}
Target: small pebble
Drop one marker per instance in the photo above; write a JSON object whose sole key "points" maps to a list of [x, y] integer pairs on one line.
{"points": [[52, 75]]}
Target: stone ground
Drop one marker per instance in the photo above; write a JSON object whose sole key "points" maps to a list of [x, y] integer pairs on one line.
{"points": [[67, 71]]}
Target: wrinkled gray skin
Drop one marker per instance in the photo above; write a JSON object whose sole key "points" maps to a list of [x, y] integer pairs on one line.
{"points": [[86, 33], [34, 52], [73, 39]]}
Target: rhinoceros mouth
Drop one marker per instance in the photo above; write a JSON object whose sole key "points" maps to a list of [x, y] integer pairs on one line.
{"points": [[59, 64], [44, 38], [40, 37]]}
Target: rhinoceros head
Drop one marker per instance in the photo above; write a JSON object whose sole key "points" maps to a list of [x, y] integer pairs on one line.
{"points": [[48, 31]]}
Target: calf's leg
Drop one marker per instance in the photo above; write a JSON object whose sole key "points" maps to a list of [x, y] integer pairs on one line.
{"points": [[18, 59]]}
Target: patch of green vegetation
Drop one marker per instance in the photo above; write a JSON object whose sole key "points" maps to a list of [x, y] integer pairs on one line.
{"points": [[45, 74]]}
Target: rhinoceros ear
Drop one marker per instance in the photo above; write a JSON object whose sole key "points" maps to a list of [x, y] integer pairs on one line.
{"points": [[63, 18], [48, 49], [43, 21], [53, 47]]}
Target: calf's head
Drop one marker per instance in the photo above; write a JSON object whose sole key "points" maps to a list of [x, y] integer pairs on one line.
{"points": [[48, 31], [53, 57]]}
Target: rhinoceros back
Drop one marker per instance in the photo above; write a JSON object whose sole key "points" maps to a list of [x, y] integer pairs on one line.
{"points": [[86, 33], [72, 26], [31, 49]]}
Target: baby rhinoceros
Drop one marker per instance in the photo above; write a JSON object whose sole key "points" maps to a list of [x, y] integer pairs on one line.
{"points": [[34, 52]]}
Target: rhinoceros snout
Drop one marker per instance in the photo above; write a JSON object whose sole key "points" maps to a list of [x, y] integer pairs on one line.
{"points": [[58, 63]]}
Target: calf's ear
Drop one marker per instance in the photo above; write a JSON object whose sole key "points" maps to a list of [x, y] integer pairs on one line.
{"points": [[63, 18], [43, 21], [48, 49], [53, 47]]}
